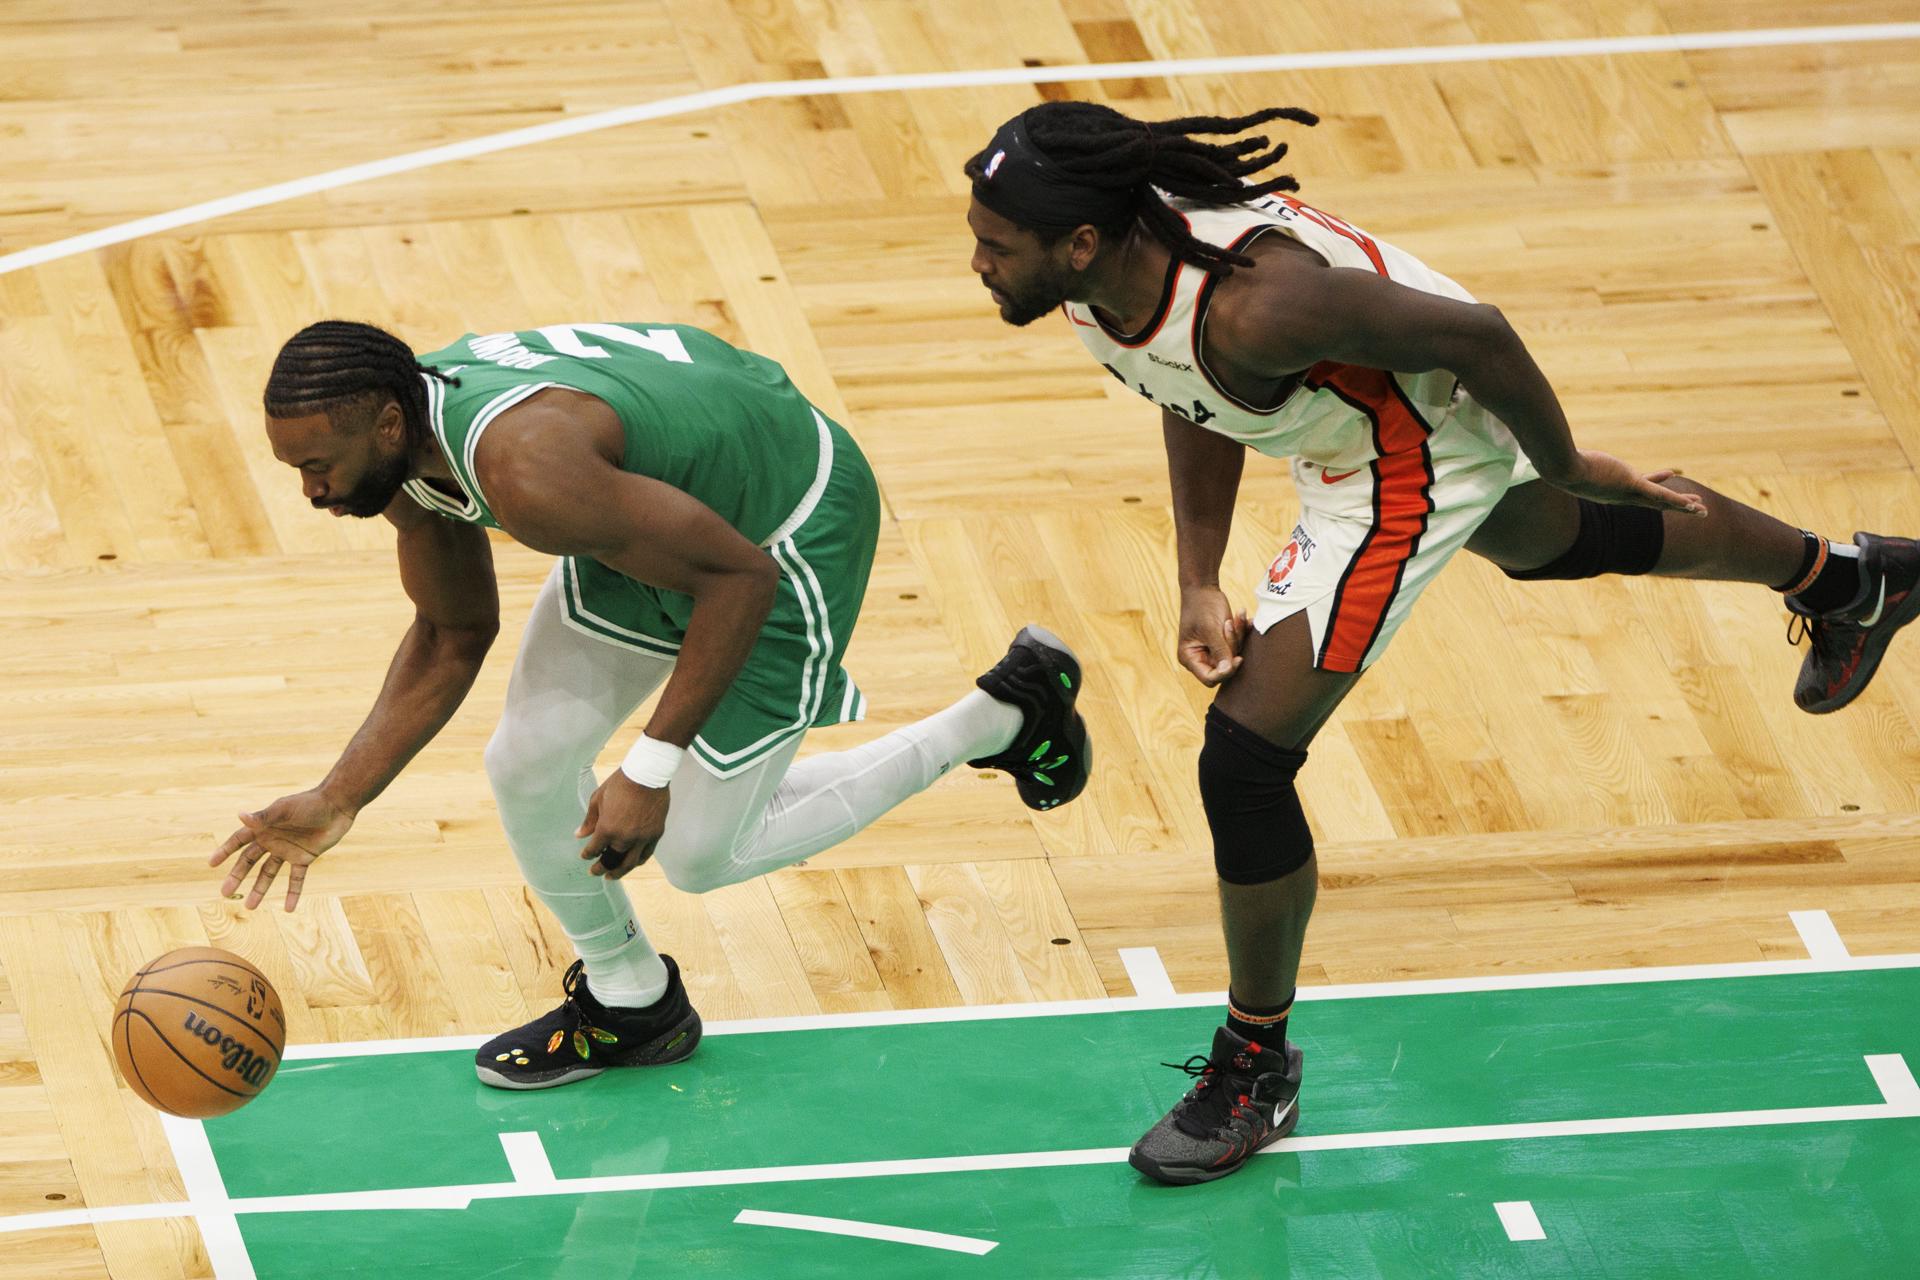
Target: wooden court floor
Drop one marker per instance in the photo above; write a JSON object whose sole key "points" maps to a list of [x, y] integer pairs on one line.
{"points": [[1715, 254]]}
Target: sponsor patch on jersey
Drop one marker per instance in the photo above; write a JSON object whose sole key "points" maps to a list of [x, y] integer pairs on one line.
{"points": [[1299, 548]]}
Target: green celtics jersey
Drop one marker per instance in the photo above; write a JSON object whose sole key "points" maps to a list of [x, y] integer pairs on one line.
{"points": [[716, 422]]}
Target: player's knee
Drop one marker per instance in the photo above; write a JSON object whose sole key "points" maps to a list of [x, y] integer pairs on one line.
{"points": [[516, 768], [1260, 832], [696, 871], [1611, 539]]}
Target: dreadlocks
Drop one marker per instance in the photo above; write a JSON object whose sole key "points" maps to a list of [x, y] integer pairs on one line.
{"points": [[339, 363], [1119, 166]]}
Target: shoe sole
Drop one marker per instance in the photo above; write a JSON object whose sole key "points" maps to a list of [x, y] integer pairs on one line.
{"points": [[1188, 1176], [1876, 649], [691, 1029], [1076, 729]]}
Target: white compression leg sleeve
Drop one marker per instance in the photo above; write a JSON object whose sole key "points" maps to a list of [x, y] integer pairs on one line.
{"points": [[569, 692], [721, 831]]}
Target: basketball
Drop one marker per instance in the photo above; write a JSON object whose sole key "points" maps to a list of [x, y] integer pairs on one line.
{"points": [[198, 1032]]}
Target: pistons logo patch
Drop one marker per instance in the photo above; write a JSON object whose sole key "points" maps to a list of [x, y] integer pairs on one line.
{"points": [[1299, 548]]}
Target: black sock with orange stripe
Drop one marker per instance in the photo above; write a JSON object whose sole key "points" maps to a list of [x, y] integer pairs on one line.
{"points": [[1828, 577], [1266, 1027]]}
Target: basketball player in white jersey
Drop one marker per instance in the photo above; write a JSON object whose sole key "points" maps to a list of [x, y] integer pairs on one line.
{"points": [[1418, 424]]}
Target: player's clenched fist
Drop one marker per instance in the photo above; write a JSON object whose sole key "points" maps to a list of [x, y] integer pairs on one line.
{"points": [[1211, 634]]}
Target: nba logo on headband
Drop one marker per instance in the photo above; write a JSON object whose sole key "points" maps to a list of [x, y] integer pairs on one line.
{"points": [[994, 163]]}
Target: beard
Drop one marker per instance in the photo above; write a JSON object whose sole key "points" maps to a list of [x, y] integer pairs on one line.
{"points": [[376, 488], [1023, 306]]}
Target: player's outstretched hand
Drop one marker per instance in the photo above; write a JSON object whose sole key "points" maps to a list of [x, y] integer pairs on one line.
{"points": [[290, 832], [1211, 634], [1602, 477], [624, 821]]}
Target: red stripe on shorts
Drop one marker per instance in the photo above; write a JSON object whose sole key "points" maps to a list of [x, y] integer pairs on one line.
{"points": [[1402, 500]]}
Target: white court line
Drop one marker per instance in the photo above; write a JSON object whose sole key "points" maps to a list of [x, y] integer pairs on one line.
{"points": [[1121, 1004], [707, 100], [1890, 1072], [1895, 1079], [1521, 1222], [1816, 931], [527, 1157], [200, 1178], [866, 1231], [1147, 974]]}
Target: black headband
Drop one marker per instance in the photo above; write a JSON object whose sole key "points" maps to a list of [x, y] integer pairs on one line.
{"points": [[1018, 182]]}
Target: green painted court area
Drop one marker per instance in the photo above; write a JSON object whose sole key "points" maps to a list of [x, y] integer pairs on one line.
{"points": [[1352, 1194]]}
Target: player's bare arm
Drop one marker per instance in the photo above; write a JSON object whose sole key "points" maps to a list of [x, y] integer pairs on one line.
{"points": [[551, 468], [1203, 469], [1269, 325], [447, 571]]}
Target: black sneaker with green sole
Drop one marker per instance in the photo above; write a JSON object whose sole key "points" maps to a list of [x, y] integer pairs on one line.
{"points": [[583, 1037], [1051, 758]]}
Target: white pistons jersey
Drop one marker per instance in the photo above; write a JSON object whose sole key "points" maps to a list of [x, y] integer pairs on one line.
{"points": [[1395, 470], [1340, 416]]}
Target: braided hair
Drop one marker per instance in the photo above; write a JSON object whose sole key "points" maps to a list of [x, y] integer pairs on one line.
{"points": [[338, 364], [1101, 148]]}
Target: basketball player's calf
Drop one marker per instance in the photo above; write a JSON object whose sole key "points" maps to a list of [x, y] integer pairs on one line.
{"points": [[1046, 752], [1246, 1092], [1847, 598]]}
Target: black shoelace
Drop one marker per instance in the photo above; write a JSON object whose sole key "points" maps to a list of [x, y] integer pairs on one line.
{"points": [[1213, 1101]]}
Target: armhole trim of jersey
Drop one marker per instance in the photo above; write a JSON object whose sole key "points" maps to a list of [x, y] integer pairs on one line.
{"points": [[481, 421], [1198, 332], [422, 492]]}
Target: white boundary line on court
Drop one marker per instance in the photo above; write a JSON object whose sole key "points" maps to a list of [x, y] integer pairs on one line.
{"points": [[1121, 1004], [707, 100], [1890, 1072], [866, 1231], [200, 1178]]}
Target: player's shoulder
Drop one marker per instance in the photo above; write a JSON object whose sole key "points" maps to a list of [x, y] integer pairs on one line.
{"points": [[1260, 314]]}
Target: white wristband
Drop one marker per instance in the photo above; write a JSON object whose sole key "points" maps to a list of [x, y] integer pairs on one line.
{"points": [[651, 762]]}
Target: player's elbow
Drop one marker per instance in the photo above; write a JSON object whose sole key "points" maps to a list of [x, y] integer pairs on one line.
{"points": [[1485, 342], [466, 641]]}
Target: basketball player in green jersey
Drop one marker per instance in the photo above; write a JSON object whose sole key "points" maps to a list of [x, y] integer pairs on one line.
{"points": [[714, 534], [1419, 426]]}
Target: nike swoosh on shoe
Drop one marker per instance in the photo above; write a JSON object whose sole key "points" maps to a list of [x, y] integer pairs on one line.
{"points": [[1878, 606]]}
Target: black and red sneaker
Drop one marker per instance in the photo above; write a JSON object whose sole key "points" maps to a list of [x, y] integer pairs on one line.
{"points": [[583, 1037], [1244, 1097], [1846, 644]]}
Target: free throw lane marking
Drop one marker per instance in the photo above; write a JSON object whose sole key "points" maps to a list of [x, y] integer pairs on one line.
{"points": [[1518, 1217], [528, 1159], [1148, 975], [1604, 46], [1821, 938], [866, 1231], [1890, 1072]]}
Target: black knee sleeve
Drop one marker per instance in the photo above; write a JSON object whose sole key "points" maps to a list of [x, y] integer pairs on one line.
{"points": [[1246, 786], [1612, 539]]}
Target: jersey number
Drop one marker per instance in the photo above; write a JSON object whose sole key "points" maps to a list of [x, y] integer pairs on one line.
{"points": [[567, 339]]}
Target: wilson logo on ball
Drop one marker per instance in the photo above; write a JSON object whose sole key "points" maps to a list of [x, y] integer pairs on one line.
{"points": [[234, 1056]]}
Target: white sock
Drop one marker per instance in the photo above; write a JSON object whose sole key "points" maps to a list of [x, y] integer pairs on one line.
{"points": [[623, 969]]}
